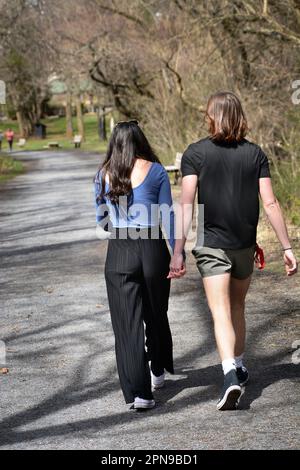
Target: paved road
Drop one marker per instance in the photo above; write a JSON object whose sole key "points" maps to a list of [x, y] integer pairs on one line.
{"points": [[62, 390]]}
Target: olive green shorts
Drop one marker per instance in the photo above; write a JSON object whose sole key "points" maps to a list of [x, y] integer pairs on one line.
{"points": [[213, 261]]}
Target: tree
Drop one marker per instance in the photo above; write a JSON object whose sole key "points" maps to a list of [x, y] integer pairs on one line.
{"points": [[23, 60], [80, 123]]}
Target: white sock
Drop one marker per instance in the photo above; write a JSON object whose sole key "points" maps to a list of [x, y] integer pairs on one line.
{"points": [[228, 365], [239, 360]]}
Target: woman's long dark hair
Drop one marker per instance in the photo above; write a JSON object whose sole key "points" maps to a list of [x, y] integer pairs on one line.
{"points": [[127, 143]]}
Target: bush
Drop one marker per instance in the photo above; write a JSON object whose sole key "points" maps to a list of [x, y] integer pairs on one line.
{"points": [[9, 167]]}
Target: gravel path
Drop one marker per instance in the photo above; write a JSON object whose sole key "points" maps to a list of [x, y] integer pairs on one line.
{"points": [[62, 390]]}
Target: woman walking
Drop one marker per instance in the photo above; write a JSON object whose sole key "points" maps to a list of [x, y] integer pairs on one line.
{"points": [[230, 172], [132, 187], [10, 138]]}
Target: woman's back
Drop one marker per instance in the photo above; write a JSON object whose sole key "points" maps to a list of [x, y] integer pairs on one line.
{"points": [[140, 170], [150, 200]]}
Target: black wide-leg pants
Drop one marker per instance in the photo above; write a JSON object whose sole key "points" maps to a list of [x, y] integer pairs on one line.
{"points": [[138, 293]]}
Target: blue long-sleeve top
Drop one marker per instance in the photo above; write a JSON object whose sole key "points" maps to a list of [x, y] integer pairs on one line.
{"points": [[151, 204]]}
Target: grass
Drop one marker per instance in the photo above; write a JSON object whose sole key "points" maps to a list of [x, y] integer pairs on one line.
{"points": [[9, 167], [56, 132], [56, 129]]}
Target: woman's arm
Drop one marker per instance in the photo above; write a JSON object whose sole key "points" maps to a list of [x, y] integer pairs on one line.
{"points": [[275, 216], [102, 212], [183, 223], [165, 203]]}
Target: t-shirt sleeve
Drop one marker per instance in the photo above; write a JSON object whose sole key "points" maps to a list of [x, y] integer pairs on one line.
{"points": [[189, 162], [264, 170]]}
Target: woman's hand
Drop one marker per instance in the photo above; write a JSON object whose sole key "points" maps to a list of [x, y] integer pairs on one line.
{"points": [[177, 266], [291, 265]]}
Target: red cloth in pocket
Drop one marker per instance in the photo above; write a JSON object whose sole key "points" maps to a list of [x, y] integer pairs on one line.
{"points": [[259, 257]]}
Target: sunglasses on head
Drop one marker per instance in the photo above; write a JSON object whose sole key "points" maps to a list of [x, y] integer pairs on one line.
{"points": [[132, 121]]}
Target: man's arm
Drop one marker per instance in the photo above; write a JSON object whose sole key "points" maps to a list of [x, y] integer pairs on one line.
{"points": [[275, 216]]}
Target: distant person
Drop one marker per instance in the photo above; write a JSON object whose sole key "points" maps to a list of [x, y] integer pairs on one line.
{"points": [[1, 140], [10, 138], [230, 173], [137, 262]]}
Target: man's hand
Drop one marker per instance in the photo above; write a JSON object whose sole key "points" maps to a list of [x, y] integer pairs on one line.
{"points": [[291, 265], [177, 266]]}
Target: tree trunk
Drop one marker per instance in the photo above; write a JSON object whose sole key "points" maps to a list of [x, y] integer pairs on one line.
{"points": [[80, 123], [20, 123], [102, 124], [69, 124]]}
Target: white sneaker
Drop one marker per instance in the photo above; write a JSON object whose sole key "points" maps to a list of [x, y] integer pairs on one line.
{"points": [[141, 404], [157, 382]]}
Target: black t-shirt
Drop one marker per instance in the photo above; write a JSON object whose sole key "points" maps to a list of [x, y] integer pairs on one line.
{"points": [[228, 186]]}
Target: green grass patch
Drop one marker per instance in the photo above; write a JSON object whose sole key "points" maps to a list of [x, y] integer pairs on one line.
{"points": [[56, 131], [287, 189], [9, 167]]}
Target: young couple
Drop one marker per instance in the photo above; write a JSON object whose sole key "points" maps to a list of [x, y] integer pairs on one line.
{"points": [[229, 173]]}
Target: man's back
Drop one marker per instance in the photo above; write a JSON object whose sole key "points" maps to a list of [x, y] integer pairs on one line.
{"points": [[228, 175]]}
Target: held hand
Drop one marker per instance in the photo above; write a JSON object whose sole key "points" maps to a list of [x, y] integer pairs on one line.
{"points": [[177, 267], [291, 265]]}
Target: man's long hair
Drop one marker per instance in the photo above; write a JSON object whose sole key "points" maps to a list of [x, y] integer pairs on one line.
{"points": [[226, 117]]}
